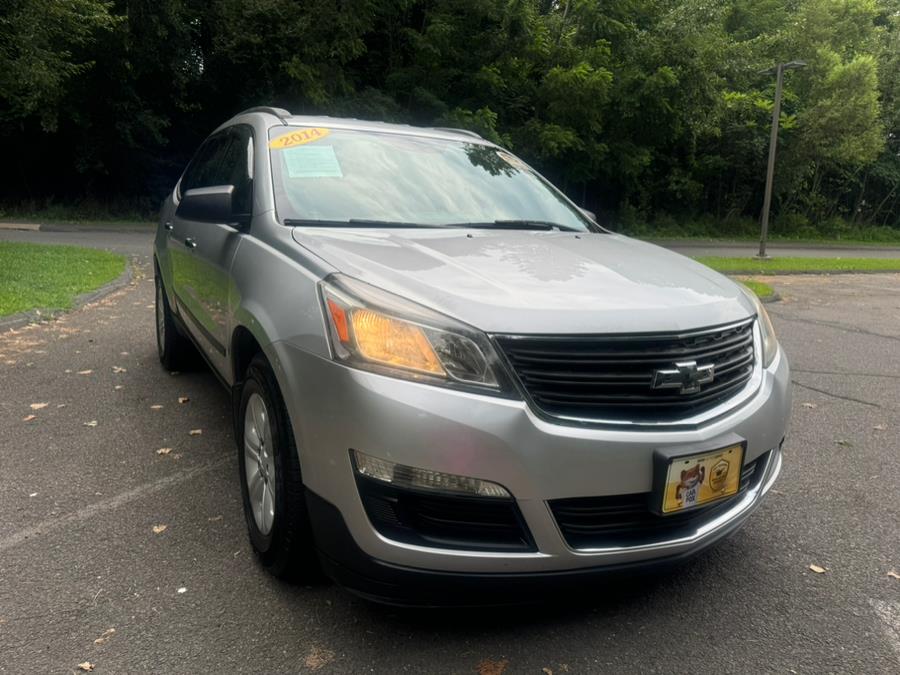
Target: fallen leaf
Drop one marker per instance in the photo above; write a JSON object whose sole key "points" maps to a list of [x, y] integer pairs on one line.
{"points": [[491, 667], [156, 407], [817, 569], [893, 575], [108, 633], [159, 529], [195, 432], [38, 406], [28, 418], [183, 399], [810, 405], [880, 427], [85, 372], [119, 369], [181, 590], [86, 666], [164, 451], [318, 657], [92, 423]]}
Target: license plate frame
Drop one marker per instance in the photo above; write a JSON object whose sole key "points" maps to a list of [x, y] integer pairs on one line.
{"points": [[705, 477]]}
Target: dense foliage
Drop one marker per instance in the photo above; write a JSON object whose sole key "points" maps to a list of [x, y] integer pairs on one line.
{"points": [[645, 110]]}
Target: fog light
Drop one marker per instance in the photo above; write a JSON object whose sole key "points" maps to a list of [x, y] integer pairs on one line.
{"points": [[423, 479]]}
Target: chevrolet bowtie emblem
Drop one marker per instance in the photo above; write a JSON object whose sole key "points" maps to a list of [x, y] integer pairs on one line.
{"points": [[686, 376]]}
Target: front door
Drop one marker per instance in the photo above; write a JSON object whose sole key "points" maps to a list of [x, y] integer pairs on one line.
{"points": [[213, 247], [204, 251]]}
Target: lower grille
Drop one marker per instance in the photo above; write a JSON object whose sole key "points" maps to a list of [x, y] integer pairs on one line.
{"points": [[444, 521], [614, 377], [626, 520]]}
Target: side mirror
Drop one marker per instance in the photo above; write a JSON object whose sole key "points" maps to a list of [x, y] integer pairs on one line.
{"points": [[590, 215], [210, 204]]}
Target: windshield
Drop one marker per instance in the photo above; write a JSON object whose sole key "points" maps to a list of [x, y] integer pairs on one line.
{"points": [[337, 176]]}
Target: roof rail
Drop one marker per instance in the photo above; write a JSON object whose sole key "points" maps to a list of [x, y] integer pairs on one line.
{"points": [[280, 113], [465, 132]]}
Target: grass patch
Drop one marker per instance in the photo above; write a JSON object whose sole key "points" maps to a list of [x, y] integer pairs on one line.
{"points": [[762, 290], [35, 276], [799, 265]]}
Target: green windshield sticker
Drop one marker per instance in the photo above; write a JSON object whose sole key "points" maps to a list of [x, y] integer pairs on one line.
{"points": [[312, 161]]}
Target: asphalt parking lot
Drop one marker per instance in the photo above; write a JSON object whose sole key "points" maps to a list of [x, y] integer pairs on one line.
{"points": [[137, 561]]}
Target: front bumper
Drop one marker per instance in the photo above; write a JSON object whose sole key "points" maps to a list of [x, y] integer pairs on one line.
{"points": [[345, 562], [334, 408]]}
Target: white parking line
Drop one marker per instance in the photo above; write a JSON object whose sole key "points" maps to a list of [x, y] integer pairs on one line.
{"points": [[889, 613], [22, 536]]}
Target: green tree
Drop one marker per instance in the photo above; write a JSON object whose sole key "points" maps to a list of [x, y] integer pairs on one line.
{"points": [[44, 44]]}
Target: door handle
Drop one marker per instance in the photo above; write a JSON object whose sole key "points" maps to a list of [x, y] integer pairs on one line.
{"points": [[190, 243], [168, 225]]}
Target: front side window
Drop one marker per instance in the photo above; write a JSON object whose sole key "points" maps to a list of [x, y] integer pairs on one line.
{"points": [[211, 164], [340, 176]]}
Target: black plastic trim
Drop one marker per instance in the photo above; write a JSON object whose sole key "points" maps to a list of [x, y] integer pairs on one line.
{"points": [[439, 519], [348, 565]]}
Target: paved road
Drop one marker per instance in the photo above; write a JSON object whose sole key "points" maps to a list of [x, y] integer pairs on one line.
{"points": [[133, 240], [79, 557]]}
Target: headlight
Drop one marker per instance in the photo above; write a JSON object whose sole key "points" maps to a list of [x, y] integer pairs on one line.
{"points": [[376, 330], [769, 342]]}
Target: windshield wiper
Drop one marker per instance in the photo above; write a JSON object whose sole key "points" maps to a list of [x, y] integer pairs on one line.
{"points": [[353, 222], [545, 225]]}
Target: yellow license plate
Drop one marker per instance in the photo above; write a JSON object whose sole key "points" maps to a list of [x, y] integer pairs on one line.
{"points": [[694, 480]]}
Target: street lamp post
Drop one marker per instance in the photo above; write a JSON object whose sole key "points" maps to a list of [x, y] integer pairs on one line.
{"points": [[778, 71]]}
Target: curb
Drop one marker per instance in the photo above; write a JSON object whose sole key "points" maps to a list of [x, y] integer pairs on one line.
{"points": [[25, 227], [118, 229], [149, 226], [39, 316]]}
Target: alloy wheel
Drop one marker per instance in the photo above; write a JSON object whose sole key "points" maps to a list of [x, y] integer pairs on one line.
{"points": [[259, 463]]}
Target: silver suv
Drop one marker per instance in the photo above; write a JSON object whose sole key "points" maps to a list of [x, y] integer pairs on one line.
{"points": [[449, 383]]}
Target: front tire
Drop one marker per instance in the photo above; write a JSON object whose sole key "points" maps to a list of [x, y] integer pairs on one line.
{"points": [[271, 484]]}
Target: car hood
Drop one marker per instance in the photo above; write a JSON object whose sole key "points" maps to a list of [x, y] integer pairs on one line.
{"points": [[535, 282]]}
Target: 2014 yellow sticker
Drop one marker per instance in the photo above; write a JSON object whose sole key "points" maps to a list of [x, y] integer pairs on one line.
{"points": [[298, 137]]}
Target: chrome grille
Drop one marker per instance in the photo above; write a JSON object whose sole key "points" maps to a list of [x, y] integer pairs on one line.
{"points": [[610, 377]]}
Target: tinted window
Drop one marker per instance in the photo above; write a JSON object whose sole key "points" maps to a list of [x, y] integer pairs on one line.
{"points": [[211, 165], [239, 158]]}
